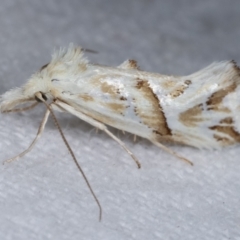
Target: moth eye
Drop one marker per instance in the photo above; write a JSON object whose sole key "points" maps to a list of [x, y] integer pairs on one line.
{"points": [[44, 97]]}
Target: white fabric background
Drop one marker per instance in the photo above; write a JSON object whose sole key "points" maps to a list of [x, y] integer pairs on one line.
{"points": [[43, 196]]}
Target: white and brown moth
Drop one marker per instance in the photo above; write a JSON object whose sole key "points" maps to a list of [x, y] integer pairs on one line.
{"points": [[200, 110]]}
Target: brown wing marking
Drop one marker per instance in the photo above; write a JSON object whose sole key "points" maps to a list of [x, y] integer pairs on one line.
{"points": [[226, 126], [192, 116], [154, 117]]}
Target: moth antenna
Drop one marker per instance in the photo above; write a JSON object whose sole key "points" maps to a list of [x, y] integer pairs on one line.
{"points": [[22, 109], [40, 97], [89, 50]]}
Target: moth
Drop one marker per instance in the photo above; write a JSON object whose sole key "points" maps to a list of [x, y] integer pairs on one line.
{"points": [[200, 110]]}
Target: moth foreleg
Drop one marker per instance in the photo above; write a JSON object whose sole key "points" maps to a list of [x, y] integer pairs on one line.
{"points": [[39, 133]]}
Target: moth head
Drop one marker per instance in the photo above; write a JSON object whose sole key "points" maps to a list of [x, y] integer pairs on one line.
{"points": [[65, 63], [26, 94], [14, 98], [40, 82]]}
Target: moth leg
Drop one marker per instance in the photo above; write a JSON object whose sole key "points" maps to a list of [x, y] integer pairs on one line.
{"points": [[122, 144], [171, 152], [96, 124], [39, 133]]}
